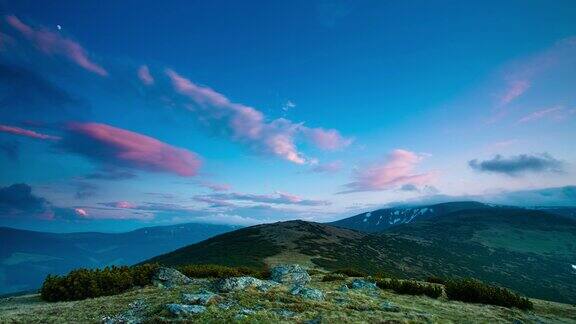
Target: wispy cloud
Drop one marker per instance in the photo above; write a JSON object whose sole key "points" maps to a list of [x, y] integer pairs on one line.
{"points": [[145, 76], [518, 164], [53, 43], [27, 133], [557, 113], [248, 125], [514, 90], [276, 198], [126, 149], [396, 170], [330, 167]]}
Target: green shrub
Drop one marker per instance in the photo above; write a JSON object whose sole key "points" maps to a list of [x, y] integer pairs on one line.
{"points": [[220, 271], [333, 277], [475, 291], [436, 280], [89, 283], [408, 287], [350, 272]]}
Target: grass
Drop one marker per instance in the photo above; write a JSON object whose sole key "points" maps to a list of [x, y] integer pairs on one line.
{"points": [[338, 307]]}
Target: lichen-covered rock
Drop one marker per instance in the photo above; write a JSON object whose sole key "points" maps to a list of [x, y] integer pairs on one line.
{"points": [[168, 277], [389, 307], [363, 284], [308, 293], [344, 288], [133, 315], [180, 309], [202, 298], [290, 274], [285, 313], [239, 283]]}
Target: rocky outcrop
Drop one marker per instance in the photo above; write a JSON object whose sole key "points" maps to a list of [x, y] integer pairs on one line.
{"points": [[181, 309], [168, 278], [291, 274], [363, 284], [204, 297], [308, 293], [240, 283]]}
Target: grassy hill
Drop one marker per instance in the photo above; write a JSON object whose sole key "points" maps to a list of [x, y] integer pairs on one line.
{"points": [[465, 243]]}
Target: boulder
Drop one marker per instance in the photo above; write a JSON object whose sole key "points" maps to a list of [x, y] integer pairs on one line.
{"points": [[290, 274], [308, 293], [202, 298], [168, 277], [363, 284], [133, 315], [240, 283], [180, 309]]}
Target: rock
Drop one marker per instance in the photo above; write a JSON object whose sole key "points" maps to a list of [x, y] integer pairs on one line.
{"points": [[240, 283], [285, 313], [363, 284], [308, 293], [247, 311], [180, 309], [343, 288], [202, 298], [133, 315], [389, 307], [290, 274], [227, 304], [168, 277]]}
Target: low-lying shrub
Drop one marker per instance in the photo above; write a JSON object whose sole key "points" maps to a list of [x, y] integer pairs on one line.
{"points": [[88, 283], [220, 271], [436, 280], [350, 272], [475, 291], [333, 277], [408, 287]]}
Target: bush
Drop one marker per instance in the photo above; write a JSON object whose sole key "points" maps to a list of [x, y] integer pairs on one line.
{"points": [[333, 277], [408, 287], [89, 283], [475, 291], [219, 271], [349, 272], [436, 280]]}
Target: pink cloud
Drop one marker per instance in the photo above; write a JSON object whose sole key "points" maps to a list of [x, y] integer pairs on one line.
{"points": [[557, 113], [145, 76], [116, 146], [331, 167], [51, 43], [81, 212], [395, 171], [249, 125], [276, 198], [515, 89], [26, 132], [326, 139], [216, 186], [125, 205]]}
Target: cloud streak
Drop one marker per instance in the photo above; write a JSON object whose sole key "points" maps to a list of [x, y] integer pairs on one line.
{"points": [[53, 43], [126, 149], [27, 133], [519, 164], [395, 171], [249, 126], [276, 198], [145, 76]]}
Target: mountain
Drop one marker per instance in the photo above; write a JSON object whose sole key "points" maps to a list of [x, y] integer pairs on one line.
{"points": [[26, 257], [530, 251], [381, 219]]}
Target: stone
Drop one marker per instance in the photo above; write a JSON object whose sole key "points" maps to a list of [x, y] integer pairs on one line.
{"points": [[389, 307], [308, 293], [168, 277], [240, 283], [133, 315], [285, 313], [343, 288], [180, 309], [290, 274], [202, 298], [363, 284]]}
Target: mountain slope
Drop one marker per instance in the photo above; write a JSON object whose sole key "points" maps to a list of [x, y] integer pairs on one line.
{"points": [[26, 257], [470, 243], [382, 219]]}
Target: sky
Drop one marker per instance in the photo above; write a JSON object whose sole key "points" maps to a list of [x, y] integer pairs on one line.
{"points": [[116, 115]]}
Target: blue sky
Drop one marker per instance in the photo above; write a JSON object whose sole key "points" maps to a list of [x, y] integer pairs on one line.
{"points": [[115, 115]]}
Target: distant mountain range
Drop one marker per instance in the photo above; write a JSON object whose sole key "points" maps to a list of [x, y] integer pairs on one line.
{"points": [[531, 251], [26, 257]]}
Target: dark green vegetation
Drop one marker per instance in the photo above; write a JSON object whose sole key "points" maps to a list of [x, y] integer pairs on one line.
{"points": [[474, 291], [27, 257], [452, 245], [349, 272], [220, 271], [88, 283], [410, 287], [333, 277]]}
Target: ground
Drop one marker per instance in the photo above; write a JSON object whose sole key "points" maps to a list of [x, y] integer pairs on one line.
{"points": [[279, 305]]}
